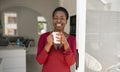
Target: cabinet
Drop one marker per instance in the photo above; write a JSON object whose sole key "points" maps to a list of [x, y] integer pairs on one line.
{"points": [[14, 60]]}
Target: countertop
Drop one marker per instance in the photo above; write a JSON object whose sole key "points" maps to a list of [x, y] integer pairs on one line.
{"points": [[12, 48]]}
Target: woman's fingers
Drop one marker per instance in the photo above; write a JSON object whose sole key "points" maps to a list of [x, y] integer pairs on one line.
{"points": [[63, 38], [50, 39]]}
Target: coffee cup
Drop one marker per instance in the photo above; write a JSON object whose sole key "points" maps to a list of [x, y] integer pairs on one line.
{"points": [[56, 37]]}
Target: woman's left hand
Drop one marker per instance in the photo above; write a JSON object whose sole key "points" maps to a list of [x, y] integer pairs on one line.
{"points": [[64, 41]]}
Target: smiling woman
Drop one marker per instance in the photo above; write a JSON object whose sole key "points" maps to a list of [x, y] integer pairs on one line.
{"points": [[57, 57]]}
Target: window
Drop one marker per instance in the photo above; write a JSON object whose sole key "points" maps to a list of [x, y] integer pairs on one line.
{"points": [[10, 21], [41, 25]]}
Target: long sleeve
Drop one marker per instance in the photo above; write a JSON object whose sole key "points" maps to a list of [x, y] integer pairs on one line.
{"points": [[57, 60], [70, 53], [41, 53]]}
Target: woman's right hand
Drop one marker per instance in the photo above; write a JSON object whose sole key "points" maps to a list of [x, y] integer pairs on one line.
{"points": [[49, 43], [50, 40]]}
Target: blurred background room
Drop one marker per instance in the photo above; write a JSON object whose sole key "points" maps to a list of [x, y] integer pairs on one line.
{"points": [[26, 20]]}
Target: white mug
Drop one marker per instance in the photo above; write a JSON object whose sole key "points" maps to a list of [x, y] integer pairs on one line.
{"points": [[54, 37]]}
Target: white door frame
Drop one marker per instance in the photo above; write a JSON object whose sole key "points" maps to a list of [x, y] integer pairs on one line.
{"points": [[80, 33]]}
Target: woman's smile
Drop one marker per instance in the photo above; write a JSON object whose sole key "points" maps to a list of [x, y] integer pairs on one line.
{"points": [[59, 25]]}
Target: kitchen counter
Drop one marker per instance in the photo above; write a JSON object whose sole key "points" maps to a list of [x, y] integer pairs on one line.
{"points": [[12, 47], [14, 58]]}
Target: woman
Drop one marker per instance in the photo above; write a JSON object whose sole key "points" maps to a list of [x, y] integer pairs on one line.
{"points": [[60, 59]]}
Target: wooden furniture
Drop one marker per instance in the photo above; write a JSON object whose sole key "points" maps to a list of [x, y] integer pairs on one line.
{"points": [[14, 59]]}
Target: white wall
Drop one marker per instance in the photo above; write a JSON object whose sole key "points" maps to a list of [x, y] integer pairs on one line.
{"points": [[111, 5], [95, 5], [27, 21], [28, 11], [103, 36], [115, 5]]}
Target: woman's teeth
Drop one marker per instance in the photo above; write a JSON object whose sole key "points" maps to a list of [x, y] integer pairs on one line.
{"points": [[59, 25]]}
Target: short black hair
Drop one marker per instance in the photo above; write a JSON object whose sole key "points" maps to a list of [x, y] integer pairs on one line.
{"points": [[61, 9]]}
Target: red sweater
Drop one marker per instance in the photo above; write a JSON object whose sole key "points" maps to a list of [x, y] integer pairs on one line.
{"points": [[56, 60]]}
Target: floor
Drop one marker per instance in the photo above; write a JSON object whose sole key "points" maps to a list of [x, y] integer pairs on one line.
{"points": [[32, 65]]}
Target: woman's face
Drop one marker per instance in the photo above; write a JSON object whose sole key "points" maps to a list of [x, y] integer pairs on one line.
{"points": [[59, 21]]}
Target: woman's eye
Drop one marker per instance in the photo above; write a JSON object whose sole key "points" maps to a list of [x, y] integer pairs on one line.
{"points": [[62, 18], [55, 18]]}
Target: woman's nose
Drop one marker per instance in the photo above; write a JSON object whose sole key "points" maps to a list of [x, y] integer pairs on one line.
{"points": [[58, 20]]}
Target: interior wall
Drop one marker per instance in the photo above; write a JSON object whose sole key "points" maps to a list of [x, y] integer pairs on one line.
{"points": [[27, 24], [28, 11], [102, 36], [95, 5], [44, 7], [111, 5], [115, 5]]}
